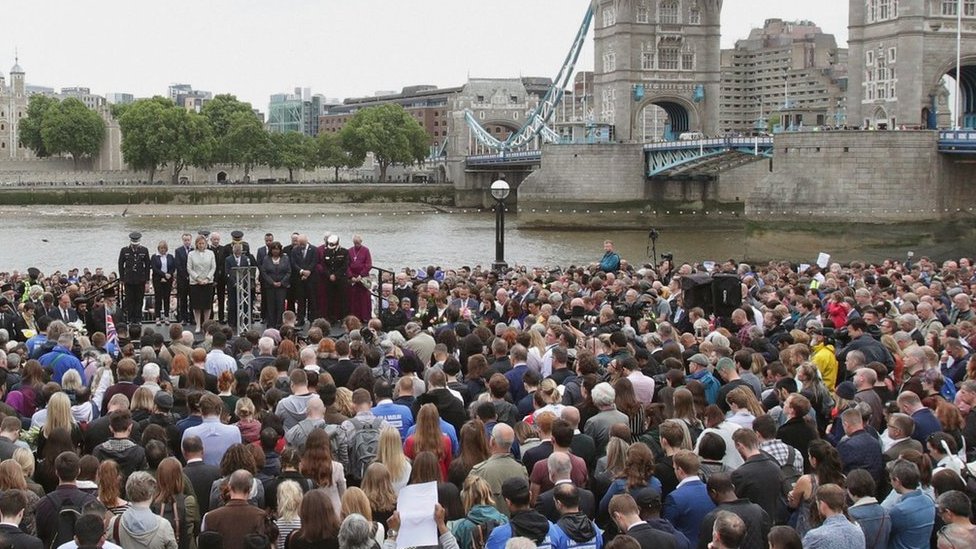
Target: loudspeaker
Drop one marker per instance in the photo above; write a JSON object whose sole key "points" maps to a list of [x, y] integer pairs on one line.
{"points": [[697, 292], [726, 294]]}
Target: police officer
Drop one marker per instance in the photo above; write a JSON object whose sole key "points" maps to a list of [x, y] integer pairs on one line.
{"points": [[134, 272]]}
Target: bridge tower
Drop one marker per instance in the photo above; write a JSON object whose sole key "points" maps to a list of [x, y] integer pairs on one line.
{"points": [[657, 52], [899, 51]]}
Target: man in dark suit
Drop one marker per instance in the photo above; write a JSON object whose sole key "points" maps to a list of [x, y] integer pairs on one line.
{"points": [[303, 259], [12, 506], [220, 278], [183, 279], [64, 311], [900, 429], [757, 521], [759, 479], [290, 298], [201, 475], [134, 273], [237, 258], [626, 514], [560, 471]]}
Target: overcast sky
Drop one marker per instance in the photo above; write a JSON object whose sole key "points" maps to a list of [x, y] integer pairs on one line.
{"points": [[340, 48]]}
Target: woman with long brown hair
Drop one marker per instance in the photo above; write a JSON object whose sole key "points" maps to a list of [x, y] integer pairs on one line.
{"points": [[429, 438], [238, 456], [474, 450], [626, 402], [12, 478], [744, 405], [474, 380], [379, 491], [827, 469], [320, 523], [109, 480], [58, 441], [426, 469], [637, 474], [318, 466], [180, 510]]}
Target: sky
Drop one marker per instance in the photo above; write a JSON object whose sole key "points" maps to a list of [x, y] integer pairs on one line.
{"points": [[339, 48]]}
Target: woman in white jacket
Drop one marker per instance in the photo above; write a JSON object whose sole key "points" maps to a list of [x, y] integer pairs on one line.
{"points": [[201, 265]]}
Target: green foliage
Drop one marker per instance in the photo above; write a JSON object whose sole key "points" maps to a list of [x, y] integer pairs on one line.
{"points": [[30, 127], [220, 113], [292, 151], [245, 142], [387, 131], [329, 153], [157, 133], [71, 127]]}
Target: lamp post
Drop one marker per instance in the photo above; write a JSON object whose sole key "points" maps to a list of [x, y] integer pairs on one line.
{"points": [[958, 115], [500, 190]]}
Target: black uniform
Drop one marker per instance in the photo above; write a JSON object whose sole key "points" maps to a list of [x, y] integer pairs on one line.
{"points": [[220, 280], [333, 262], [134, 272]]}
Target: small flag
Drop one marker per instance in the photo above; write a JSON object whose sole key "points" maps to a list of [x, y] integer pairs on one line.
{"points": [[111, 336]]}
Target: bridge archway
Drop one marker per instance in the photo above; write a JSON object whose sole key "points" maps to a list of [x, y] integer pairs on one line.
{"points": [[967, 91], [664, 118]]}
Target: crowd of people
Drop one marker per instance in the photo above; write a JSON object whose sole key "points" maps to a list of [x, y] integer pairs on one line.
{"points": [[602, 405]]}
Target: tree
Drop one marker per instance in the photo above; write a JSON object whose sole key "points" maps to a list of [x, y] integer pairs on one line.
{"points": [[329, 153], [387, 131], [220, 112], [192, 141], [143, 146], [30, 127], [293, 151], [157, 133], [246, 140], [71, 127]]}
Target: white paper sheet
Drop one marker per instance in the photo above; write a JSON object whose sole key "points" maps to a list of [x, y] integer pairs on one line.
{"points": [[802, 268], [823, 260], [415, 503]]}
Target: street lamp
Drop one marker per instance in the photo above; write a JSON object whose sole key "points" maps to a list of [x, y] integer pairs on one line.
{"points": [[500, 190]]}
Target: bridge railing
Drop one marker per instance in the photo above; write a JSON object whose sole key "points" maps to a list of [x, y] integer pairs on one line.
{"points": [[720, 142], [957, 141], [506, 157]]}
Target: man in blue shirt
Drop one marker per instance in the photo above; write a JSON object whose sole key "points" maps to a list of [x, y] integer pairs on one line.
{"points": [[216, 436], [836, 532], [397, 415], [610, 262], [913, 517], [60, 359], [516, 387]]}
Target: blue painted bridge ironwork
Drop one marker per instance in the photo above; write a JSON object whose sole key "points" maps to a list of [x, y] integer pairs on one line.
{"points": [[514, 158], [665, 156], [957, 141]]}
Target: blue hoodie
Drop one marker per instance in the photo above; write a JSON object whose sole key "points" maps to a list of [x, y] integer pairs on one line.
{"points": [[711, 384]]}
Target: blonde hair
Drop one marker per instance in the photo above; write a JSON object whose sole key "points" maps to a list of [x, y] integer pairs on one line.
{"points": [[244, 407], [354, 501], [343, 402], [289, 500], [390, 452], [25, 458], [550, 391], [617, 456], [476, 491], [378, 488], [58, 414], [71, 381], [537, 340], [142, 399], [745, 399], [12, 476]]}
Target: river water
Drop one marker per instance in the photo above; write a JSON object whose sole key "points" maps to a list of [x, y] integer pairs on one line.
{"points": [[59, 237]]}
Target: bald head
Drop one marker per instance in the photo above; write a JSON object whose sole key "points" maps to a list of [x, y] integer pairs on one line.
{"points": [[502, 438], [316, 408], [560, 466], [571, 415]]}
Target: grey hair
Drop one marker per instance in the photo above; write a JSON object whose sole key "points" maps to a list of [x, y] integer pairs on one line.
{"points": [[355, 532], [140, 487], [560, 466], [520, 543], [603, 395], [150, 372]]}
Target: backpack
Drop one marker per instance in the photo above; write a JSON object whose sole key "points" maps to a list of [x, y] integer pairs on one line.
{"points": [[68, 514], [364, 446], [790, 474], [175, 513], [480, 533], [340, 452]]}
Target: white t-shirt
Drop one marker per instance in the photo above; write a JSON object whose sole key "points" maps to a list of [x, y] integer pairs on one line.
{"points": [[72, 545]]}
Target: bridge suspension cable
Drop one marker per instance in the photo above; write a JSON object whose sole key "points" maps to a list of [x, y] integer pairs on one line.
{"points": [[535, 124]]}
